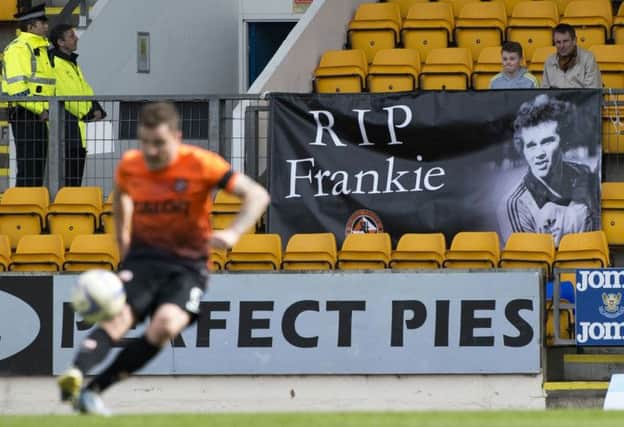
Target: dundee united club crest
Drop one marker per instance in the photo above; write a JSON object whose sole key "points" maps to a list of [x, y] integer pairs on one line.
{"points": [[364, 221]]}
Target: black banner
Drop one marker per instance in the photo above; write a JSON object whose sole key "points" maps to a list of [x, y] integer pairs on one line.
{"points": [[504, 161], [26, 327]]}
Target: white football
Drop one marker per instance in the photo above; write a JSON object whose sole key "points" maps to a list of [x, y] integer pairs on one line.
{"points": [[98, 295]]}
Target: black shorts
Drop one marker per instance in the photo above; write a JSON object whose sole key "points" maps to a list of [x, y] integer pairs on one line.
{"points": [[157, 281]]}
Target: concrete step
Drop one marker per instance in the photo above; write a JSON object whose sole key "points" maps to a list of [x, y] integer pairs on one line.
{"points": [[575, 394], [592, 367]]}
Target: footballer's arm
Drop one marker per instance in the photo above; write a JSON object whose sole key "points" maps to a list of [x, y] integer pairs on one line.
{"points": [[255, 201], [122, 213]]}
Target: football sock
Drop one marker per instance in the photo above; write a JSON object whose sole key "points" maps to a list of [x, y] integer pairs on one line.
{"points": [[134, 356], [93, 350]]}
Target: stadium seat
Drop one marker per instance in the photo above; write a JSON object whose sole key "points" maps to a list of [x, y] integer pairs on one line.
{"points": [[510, 5], [531, 25], [488, 65], [428, 26], [566, 323], [89, 251], [38, 252], [561, 5], [591, 19], [406, 5], [612, 205], [256, 252], [75, 211], [419, 250], [217, 259], [528, 250], [447, 69], [341, 71], [106, 216], [458, 5], [224, 209], [540, 55], [314, 251], [610, 59], [394, 70], [375, 26], [479, 25], [5, 252], [583, 250], [23, 211], [612, 130], [617, 29], [366, 251], [473, 249]]}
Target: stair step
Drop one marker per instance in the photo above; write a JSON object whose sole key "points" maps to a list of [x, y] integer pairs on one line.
{"points": [[555, 386], [594, 358]]}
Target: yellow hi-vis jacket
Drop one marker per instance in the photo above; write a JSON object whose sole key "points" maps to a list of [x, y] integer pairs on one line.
{"points": [[26, 70], [71, 82]]}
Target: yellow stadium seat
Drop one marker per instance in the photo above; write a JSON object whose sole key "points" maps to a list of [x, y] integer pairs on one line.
{"points": [[591, 19], [75, 211], [394, 70], [419, 250], [366, 251], [510, 5], [341, 71], [612, 131], [217, 259], [488, 65], [473, 249], [5, 252], [612, 206], [23, 211], [314, 251], [540, 54], [561, 5], [481, 24], [406, 5], [256, 252], [528, 250], [89, 251], [106, 216], [428, 26], [447, 69], [531, 25], [566, 323], [458, 5], [224, 209], [617, 29], [39, 252], [375, 26], [583, 250], [610, 59]]}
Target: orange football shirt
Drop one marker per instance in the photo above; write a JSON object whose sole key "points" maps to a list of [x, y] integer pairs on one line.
{"points": [[172, 206]]}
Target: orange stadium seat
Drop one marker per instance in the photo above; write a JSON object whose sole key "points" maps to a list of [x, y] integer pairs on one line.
{"points": [[487, 66], [394, 70], [39, 252], [23, 211], [473, 249], [375, 26], [256, 252], [368, 251], [314, 251], [75, 211], [447, 69], [5, 252], [341, 71], [106, 216], [540, 55], [419, 250], [406, 5], [612, 205], [428, 26], [481, 24], [591, 19], [528, 250], [617, 29], [89, 251], [531, 25]]}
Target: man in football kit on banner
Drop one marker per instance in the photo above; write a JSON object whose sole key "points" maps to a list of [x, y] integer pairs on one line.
{"points": [[555, 196], [162, 207]]}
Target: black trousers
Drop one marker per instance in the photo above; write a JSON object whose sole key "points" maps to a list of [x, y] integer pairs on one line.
{"points": [[31, 144], [75, 154]]}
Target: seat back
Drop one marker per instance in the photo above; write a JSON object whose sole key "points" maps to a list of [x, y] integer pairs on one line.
{"points": [[217, 259], [41, 252], [524, 250], [406, 5], [106, 216], [23, 211], [419, 250], [540, 55], [428, 26], [612, 212], [91, 251], [612, 133], [531, 25], [583, 250], [610, 59], [75, 211], [448, 69], [313, 251], [481, 24], [617, 29], [375, 26], [458, 5], [474, 249], [365, 251], [592, 20], [488, 65], [394, 70], [5, 252], [341, 71], [256, 252]]}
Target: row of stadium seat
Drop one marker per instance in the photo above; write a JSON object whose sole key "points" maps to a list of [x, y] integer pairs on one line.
{"points": [[400, 70], [479, 24], [76, 211], [480, 250]]}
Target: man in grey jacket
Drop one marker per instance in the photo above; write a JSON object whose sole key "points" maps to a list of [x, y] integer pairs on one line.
{"points": [[571, 66]]}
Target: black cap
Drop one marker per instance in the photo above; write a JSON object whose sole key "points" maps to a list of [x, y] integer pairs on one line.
{"points": [[37, 12]]}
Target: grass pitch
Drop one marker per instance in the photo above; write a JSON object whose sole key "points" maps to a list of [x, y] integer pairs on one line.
{"points": [[553, 418]]}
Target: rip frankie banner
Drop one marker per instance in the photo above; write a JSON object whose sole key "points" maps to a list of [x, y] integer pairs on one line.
{"points": [[505, 161]]}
